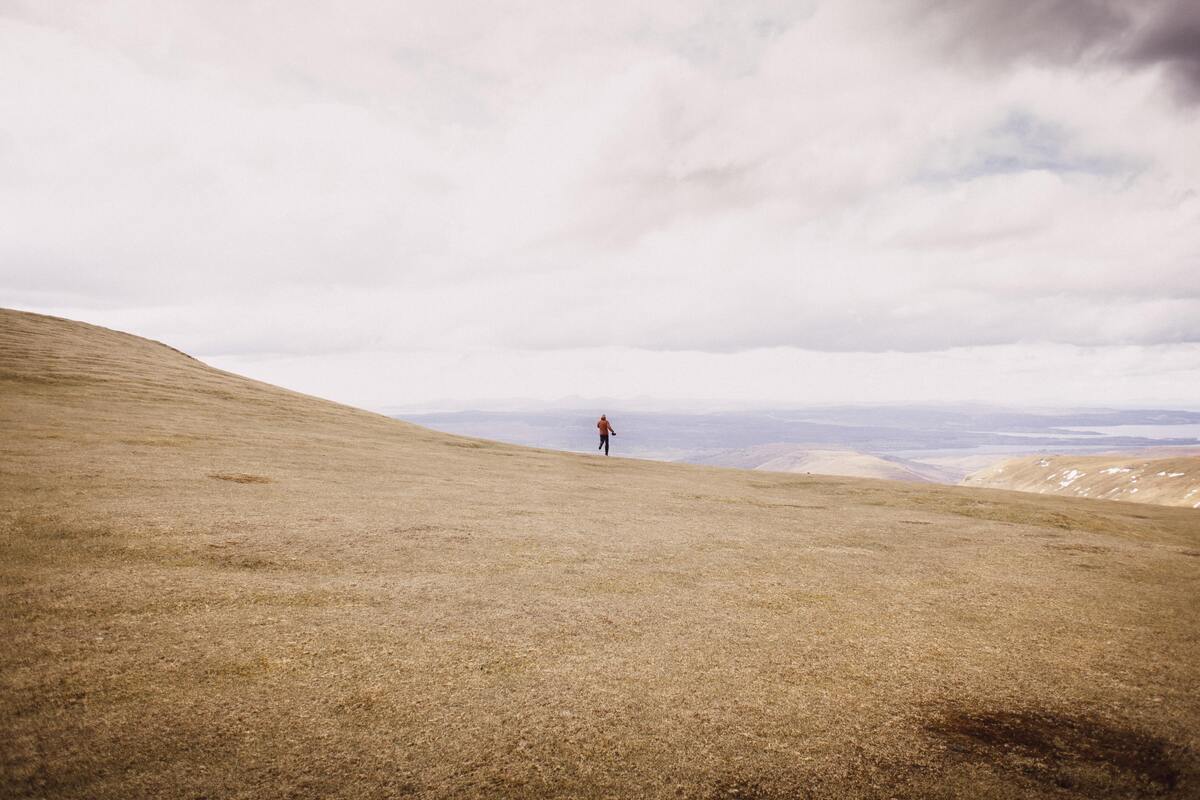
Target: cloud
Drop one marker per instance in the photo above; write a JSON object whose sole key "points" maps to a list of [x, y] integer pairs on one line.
{"points": [[1164, 375], [1058, 31], [681, 177], [1146, 33], [1171, 38]]}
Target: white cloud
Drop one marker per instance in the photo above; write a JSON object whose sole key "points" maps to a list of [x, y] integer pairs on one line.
{"points": [[458, 178], [1018, 375]]}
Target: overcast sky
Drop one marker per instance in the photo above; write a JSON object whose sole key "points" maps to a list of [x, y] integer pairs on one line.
{"points": [[439, 204]]}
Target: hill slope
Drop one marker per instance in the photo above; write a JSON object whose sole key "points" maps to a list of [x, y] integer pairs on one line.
{"points": [[213, 587], [791, 457], [842, 462], [1169, 480]]}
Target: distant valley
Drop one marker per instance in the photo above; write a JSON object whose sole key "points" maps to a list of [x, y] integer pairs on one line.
{"points": [[907, 443]]}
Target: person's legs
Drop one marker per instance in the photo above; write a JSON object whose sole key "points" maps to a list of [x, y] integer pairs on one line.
{"points": [[606, 444], [601, 447]]}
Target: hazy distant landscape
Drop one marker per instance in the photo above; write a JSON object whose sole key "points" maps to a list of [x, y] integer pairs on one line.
{"points": [[918, 443]]}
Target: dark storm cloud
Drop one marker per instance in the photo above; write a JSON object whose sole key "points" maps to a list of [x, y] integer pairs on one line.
{"points": [[1172, 38], [1136, 34]]}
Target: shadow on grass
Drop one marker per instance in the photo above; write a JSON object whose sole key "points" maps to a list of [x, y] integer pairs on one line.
{"points": [[1081, 754]]}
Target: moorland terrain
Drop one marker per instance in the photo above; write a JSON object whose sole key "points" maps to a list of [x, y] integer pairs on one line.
{"points": [[213, 587], [1159, 476]]}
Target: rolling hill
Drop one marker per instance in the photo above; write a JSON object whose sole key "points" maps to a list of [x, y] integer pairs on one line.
{"points": [[1161, 478], [214, 587], [816, 460]]}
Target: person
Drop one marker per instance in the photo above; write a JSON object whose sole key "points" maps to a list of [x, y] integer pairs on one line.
{"points": [[605, 429]]}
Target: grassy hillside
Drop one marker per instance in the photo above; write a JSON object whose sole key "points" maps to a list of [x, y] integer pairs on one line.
{"points": [[843, 462], [817, 460], [1170, 480], [216, 588]]}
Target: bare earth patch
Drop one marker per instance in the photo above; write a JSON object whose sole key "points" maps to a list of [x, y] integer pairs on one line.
{"points": [[240, 477]]}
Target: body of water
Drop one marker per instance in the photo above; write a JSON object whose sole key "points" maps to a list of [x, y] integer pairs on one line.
{"points": [[1185, 431]]}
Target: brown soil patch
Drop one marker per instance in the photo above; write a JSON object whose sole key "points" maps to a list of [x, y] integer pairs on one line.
{"points": [[240, 477], [1092, 549], [748, 790]]}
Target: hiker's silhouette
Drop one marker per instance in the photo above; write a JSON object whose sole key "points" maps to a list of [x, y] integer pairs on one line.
{"points": [[605, 428]]}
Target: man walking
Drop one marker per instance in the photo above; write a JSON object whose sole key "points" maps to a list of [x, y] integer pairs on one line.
{"points": [[605, 429]]}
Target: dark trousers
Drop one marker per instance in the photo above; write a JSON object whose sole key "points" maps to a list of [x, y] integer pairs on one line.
{"points": [[604, 443]]}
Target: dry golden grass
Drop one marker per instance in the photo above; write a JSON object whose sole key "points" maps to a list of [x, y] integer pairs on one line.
{"points": [[1162, 477], [216, 588]]}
